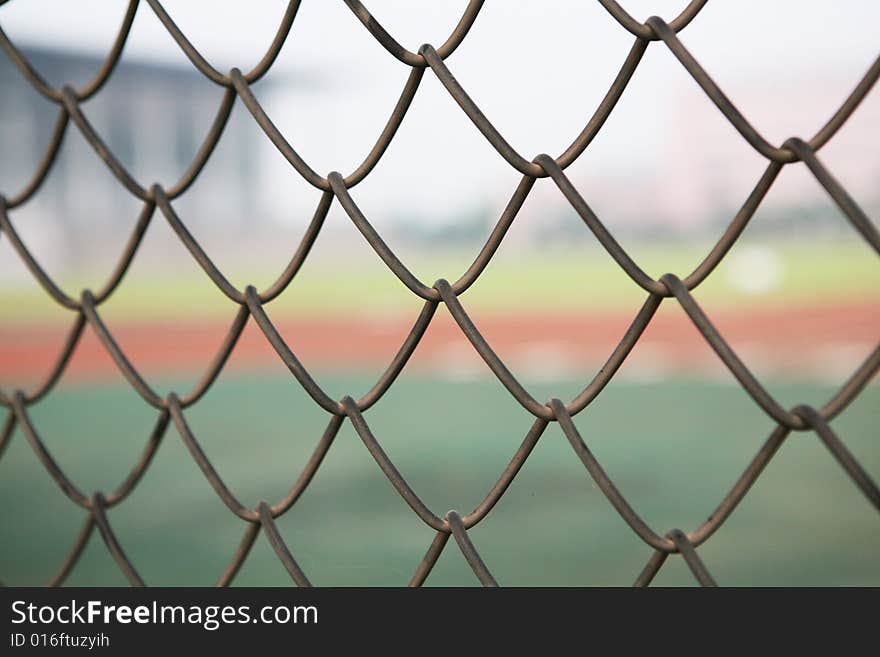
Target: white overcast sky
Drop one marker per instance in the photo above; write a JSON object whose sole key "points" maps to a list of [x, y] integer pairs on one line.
{"points": [[537, 69]]}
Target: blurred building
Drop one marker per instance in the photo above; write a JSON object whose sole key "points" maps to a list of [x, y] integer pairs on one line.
{"points": [[153, 116], [141, 116]]}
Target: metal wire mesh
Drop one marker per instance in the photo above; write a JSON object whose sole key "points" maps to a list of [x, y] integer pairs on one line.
{"points": [[252, 303]]}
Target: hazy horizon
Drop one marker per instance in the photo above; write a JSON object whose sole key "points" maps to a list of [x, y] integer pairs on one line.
{"points": [[520, 62]]}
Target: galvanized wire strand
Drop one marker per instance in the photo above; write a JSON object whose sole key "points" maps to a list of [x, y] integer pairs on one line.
{"points": [[847, 461], [68, 487], [468, 550], [244, 547], [48, 159], [54, 375], [259, 70], [76, 549], [280, 546], [410, 58], [112, 542], [691, 558], [6, 431], [251, 303], [91, 87], [427, 564], [644, 31]]}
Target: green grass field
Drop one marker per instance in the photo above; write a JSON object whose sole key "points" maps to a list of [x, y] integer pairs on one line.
{"points": [[673, 449], [578, 279]]}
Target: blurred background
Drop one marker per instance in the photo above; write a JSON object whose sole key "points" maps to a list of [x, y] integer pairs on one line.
{"points": [[797, 296]]}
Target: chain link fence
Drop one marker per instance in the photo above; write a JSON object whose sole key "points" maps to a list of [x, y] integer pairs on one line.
{"points": [[335, 187]]}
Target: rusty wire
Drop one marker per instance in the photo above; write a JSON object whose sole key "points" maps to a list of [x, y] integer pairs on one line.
{"points": [[336, 188]]}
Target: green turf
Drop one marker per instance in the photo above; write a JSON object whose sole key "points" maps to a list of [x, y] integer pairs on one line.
{"points": [[555, 280], [672, 449]]}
